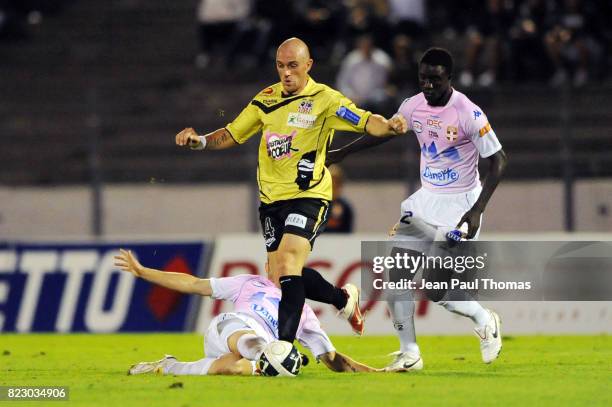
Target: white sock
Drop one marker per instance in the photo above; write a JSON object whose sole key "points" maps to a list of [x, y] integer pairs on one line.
{"points": [[401, 307], [470, 309], [250, 346], [199, 367]]}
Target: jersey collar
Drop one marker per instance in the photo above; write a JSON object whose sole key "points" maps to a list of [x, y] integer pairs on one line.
{"points": [[309, 85], [450, 101]]}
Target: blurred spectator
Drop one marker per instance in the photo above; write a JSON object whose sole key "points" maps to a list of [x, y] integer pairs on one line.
{"points": [[280, 16], [403, 78], [408, 17], [341, 211], [318, 23], [486, 35], [528, 60], [572, 41], [363, 76], [11, 25], [252, 36], [362, 18], [379, 8], [15, 15], [218, 21]]}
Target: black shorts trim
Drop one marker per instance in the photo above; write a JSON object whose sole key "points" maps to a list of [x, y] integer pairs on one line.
{"points": [[305, 217]]}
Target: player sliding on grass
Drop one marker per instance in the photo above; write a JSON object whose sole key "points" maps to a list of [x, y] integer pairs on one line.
{"points": [[235, 340], [297, 118], [452, 132]]}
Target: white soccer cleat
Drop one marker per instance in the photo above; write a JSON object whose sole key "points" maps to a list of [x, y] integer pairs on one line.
{"points": [[156, 367], [351, 310], [405, 362], [490, 338]]}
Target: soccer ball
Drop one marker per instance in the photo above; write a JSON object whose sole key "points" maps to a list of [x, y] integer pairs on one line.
{"points": [[280, 358]]}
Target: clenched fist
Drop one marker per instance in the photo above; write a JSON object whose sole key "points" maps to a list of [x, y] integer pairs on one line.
{"points": [[399, 124], [187, 137]]}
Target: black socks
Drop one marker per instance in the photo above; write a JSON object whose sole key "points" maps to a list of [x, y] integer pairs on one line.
{"points": [[290, 307], [318, 289], [295, 289]]}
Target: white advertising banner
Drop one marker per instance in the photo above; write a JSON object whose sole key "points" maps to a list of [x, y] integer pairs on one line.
{"points": [[338, 259]]}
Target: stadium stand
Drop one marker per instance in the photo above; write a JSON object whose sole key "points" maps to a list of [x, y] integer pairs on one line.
{"points": [[122, 73]]}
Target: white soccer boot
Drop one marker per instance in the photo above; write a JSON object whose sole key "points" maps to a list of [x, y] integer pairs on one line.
{"points": [[156, 367], [351, 310], [405, 362], [490, 338]]}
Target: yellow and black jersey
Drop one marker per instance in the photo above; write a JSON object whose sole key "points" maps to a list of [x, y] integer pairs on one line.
{"points": [[296, 132]]}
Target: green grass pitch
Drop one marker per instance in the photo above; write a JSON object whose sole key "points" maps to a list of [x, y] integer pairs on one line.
{"points": [[532, 370]]}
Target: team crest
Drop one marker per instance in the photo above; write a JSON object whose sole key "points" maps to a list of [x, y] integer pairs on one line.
{"points": [[452, 133], [305, 106]]}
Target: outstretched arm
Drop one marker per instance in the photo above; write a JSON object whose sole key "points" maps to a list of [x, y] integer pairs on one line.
{"points": [[338, 362], [378, 126], [180, 282], [497, 164], [219, 139]]}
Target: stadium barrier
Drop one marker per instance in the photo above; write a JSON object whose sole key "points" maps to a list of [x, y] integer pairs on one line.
{"points": [[338, 258], [74, 287]]}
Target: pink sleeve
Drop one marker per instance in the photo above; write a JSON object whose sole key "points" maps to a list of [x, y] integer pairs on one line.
{"points": [[407, 108], [476, 125], [228, 288], [312, 336]]}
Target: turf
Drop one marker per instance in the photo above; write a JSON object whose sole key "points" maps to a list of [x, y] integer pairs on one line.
{"points": [[532, 370]]}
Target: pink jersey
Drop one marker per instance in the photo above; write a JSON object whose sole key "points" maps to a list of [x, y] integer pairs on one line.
{"points": [[258, 298], [450, 137]]}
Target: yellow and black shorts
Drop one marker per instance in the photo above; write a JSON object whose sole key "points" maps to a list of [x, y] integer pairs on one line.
{"points": [[304, 217]]}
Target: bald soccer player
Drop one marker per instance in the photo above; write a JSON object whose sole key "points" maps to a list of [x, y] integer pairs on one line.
{"points": [[297, 118]]}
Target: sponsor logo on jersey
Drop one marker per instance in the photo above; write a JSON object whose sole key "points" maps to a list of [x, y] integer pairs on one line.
{"points": [[267, 91], [451, 153], [266, 316], [477, 114], [258, 296], [269, 102], [430, 152], [305, 169], [434, 123], [440, 177], [452, 133], [485, 129], [305, 106], [295, 219], [301, 120], [279, 145], [433, 134], [417, 126]]}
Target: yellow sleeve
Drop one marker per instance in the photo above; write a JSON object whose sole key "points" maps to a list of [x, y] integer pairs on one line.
{"points": [[245, 125], [343, 115]]}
